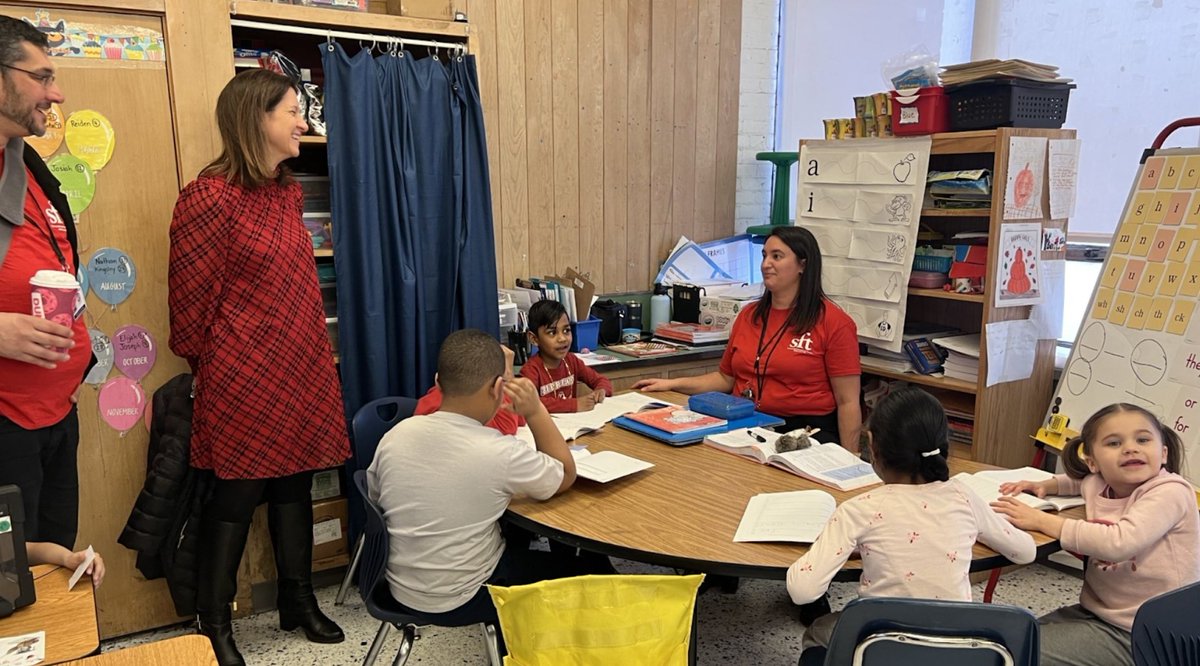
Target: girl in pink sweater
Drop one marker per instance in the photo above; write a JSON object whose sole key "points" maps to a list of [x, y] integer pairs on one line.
{"points": [[1141, 536], [916, 532]]}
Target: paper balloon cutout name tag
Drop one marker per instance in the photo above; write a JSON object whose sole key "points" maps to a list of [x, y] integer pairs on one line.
{"points": [[122, 403], [48, 143], [91, 138], [77, 180], [111, 275], [103, 349], [135, 351]]}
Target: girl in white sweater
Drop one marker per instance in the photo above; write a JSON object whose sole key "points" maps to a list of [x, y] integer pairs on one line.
{"points": [[915, 533]]}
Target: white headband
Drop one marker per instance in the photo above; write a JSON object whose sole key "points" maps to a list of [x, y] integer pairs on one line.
{"points": [[930, 454]]}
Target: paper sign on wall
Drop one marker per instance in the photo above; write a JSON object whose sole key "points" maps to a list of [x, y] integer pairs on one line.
{"points": [[91, 138]]}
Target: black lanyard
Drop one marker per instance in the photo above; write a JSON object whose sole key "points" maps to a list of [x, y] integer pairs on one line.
{"points": [[760, 374], [48, 233]]}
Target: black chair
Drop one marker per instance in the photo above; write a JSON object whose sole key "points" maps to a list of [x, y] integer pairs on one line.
{"points": [[371, 422], [1166, 630], [373, 587], [918, 632]]}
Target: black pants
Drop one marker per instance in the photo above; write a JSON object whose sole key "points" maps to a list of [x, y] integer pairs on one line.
{"points": [[828, 424], [42, 463], [234, 500]]}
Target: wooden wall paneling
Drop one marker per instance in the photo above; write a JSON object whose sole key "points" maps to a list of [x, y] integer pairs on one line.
{"points": [[662, 130], [708, 63], [483, 39], [199, 63], [539, 140], [728, 105], [591, 141], [616, 159], [514, 196], [565, 69], [135, 193], [684, 174], [637, 224]]}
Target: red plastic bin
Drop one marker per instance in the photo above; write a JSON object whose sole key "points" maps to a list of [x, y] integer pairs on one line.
{"points": [[920, 111]]}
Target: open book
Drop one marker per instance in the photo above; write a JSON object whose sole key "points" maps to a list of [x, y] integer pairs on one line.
{"points": [[827, 464], [986, 484], [606, 466], [797, 516], [581, 423]]}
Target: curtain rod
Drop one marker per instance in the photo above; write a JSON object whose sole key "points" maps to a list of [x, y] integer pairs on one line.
{"points": [[331, 34]]}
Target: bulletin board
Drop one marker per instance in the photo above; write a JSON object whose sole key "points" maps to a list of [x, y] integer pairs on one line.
{"points": [[861, 198], [1138, 341]]}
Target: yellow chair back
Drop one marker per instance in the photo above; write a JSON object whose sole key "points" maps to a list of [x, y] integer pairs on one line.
{"points": [[624, 619]]}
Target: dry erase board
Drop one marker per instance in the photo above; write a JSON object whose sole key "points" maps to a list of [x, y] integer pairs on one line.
{"points": [[1138, 341]]}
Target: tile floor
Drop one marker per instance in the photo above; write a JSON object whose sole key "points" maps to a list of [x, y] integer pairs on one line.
{"points": [[756, 625]]}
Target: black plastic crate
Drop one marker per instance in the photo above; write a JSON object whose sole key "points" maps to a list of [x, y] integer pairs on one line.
{"points": [[1008, 103]]}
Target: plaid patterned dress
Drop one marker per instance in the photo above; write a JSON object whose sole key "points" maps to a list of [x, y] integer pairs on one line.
{"points": [[246, 314]]}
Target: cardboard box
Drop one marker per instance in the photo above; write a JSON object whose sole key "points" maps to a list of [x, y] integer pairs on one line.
{"points": [[326, 484], [329, 528], [442, 10]]}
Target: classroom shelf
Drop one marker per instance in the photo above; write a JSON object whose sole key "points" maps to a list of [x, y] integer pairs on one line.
{"points": [[337, 19], [948, 295], [935, 381], [955, 212]]}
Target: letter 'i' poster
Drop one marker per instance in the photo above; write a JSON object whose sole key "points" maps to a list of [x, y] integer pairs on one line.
{"points": [[861, 199], [1140, 340]]}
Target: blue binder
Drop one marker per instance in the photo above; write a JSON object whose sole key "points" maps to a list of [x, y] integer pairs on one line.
{"points": [[755, 420]]}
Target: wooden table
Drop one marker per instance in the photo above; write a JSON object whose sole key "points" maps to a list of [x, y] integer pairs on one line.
{"points": [[179, 651], [68, 618], [684, 511]]}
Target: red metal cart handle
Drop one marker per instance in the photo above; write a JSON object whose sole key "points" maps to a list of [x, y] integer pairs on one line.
{"points": [[1182, 122]]}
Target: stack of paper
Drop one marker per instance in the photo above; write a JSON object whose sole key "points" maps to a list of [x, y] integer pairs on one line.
{"points": [[995, 69], [889, 360], [692, 334], [963, 359]]}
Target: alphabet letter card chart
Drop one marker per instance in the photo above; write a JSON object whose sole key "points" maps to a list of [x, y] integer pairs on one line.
{"points": [[1140, 341], [861, 198]]}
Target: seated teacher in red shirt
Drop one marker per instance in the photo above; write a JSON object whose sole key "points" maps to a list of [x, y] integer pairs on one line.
{"points": [[794, 353]]}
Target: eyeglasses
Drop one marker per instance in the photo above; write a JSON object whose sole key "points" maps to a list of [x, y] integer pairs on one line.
{"points": [[46, 80]]}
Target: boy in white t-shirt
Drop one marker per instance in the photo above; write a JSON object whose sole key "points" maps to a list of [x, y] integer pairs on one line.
{"points": [[444, 480]]}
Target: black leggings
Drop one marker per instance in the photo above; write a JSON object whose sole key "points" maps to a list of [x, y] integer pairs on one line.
{"points": [[234, 500]]}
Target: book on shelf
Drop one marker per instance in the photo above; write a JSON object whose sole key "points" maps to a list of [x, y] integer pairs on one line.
{"points": [[797, 516], [827, 464], [676, 419], [646, 348], [925, 359], [605, 466], [962, 356], [692, 334], [987, 483]]}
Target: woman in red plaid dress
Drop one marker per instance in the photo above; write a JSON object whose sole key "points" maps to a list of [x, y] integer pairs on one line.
{"points": [[246, 313]]}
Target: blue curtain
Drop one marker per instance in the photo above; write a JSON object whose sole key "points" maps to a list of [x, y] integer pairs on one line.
{"points": [[412, 216]]}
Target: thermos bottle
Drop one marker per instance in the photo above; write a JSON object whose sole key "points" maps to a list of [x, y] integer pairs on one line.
{"points": [[660, 307]]}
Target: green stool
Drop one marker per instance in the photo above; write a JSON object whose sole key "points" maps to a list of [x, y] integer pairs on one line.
{"points": [[783, 162]]}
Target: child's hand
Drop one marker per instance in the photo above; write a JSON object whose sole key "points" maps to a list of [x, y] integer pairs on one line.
{"points": [[654, 385], [585, 403], [1017, 487], [598, 396], [96, 570], [508, 362], [524, 397]]}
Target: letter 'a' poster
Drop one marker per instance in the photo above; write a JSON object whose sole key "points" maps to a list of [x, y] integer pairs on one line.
{"points": [[1140, 340]]}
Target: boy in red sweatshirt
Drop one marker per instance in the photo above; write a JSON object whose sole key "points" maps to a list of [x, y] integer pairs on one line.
{"points": [[555, 370]]}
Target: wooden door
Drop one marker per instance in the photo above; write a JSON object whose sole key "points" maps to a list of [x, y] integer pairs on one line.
{"points": [[135, 193]]}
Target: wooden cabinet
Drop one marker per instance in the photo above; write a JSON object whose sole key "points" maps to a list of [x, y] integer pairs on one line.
{"points": [[1008, 413]]}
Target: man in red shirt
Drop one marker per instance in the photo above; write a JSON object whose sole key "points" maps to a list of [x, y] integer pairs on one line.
{"points": [[39, 427]]}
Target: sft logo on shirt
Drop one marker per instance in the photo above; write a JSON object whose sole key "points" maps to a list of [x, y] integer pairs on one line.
{"points": [[55, 219], [802, 344]]}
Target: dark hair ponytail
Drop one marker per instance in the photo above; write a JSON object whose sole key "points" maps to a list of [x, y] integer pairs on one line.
{"points": [[906, 428], [1075, 450]]}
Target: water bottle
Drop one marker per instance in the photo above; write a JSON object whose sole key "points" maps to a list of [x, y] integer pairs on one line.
{"points": [[660, 307]]}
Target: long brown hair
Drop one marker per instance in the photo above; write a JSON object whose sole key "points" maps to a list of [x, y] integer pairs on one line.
{"points": [[810, 297], [241, 108], [1076, 466]]}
